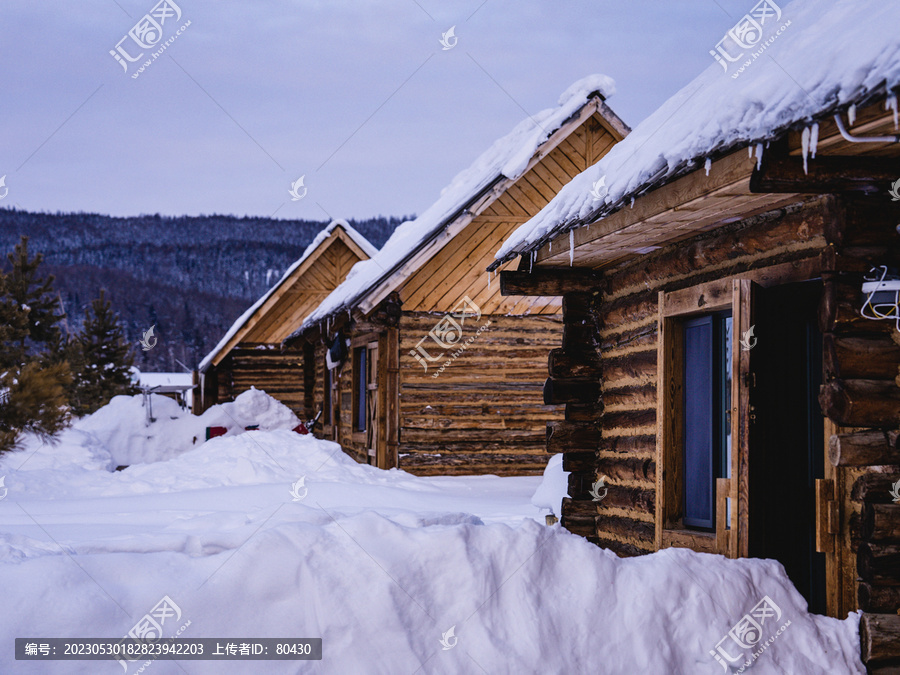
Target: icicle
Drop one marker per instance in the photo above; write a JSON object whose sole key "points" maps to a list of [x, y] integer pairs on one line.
{"points": [[804, 144], [707, 165], [750, 151], [551, 246], [891, 104], [632, 202], [759, 154], [489, 280], [531, 263], [571, 248], [851, 114], [814, 139]]}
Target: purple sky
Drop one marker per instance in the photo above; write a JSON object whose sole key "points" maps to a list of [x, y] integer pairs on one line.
{"points": [[357, 96]]}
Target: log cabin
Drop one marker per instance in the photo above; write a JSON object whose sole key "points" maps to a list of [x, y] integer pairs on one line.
{"points": [[417, 360], [724, 370], [249, 354]]}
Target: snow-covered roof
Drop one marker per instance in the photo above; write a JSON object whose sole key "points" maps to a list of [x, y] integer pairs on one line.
{"points": [[508, 158], [815, 57], [317, 241]]}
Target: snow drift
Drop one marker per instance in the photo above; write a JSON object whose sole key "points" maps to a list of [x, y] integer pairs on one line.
{"points": [[380, 564]]}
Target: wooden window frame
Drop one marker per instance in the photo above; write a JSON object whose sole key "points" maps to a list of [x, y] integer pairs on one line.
{"points": [[360, 342], [730, 537]]}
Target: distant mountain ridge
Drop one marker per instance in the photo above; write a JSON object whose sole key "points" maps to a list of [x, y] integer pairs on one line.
{"points": [[191, 276]]}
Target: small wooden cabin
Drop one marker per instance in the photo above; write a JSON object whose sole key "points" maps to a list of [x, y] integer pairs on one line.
{"points": [[250, 355], [419, 362], [721, 367]]}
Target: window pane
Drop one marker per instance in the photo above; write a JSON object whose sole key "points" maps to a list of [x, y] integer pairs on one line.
{"points": [[361, 389], [699, 406]]}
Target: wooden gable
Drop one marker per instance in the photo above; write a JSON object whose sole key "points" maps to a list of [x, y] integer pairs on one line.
{"points": [[457, 269], [299, 294]]}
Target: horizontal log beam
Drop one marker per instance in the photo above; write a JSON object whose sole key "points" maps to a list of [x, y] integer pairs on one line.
{"points": [[581, 390], [863, 448], [621, 548], [839, 311], [879, 598], [548, 281], [568, 437], [879, 638], [860, 358], [878, 562], [584, 412], [634, 499], [627, 468], [625, 527], [861, 403], [881, 522], [578, 517], [874, 488], [563, 364], [823, 175], [582, 462]]}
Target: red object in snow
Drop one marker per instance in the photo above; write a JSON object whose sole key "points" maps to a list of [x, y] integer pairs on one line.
{"points": [[301, 429], [212, 432]]}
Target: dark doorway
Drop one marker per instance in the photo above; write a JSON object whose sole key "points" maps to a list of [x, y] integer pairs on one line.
{"points": [[787, 450]]}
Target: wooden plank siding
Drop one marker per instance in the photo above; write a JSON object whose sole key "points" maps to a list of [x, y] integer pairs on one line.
{"points": [[484, 413]]}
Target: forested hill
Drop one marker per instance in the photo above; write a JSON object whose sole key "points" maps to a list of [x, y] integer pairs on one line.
{"points": [[191, 276]]}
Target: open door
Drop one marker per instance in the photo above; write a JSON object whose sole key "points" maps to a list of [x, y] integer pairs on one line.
{"points": [[786, 432]]}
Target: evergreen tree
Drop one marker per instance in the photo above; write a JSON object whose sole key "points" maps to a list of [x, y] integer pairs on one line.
{"points": [[33, 380], [34, 296], [101, 359]]}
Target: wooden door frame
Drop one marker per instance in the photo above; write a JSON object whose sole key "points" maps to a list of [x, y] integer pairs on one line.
{"points": [[734, 292]]}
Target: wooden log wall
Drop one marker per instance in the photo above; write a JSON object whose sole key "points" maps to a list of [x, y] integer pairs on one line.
{"points": [[483, 413], [622, 356], [860, 394], [280, 375], [383, 317]]}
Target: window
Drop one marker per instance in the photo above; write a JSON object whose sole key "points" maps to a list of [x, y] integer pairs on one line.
{"points": [[360, 389], [706, 431], [703, 417], [327, 418]]}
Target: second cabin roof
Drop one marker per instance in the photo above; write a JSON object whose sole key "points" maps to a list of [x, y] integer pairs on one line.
{"points": [[504, 162]]}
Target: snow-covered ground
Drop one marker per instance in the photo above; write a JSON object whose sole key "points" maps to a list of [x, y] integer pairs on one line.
{"points": [[380, 564]]}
